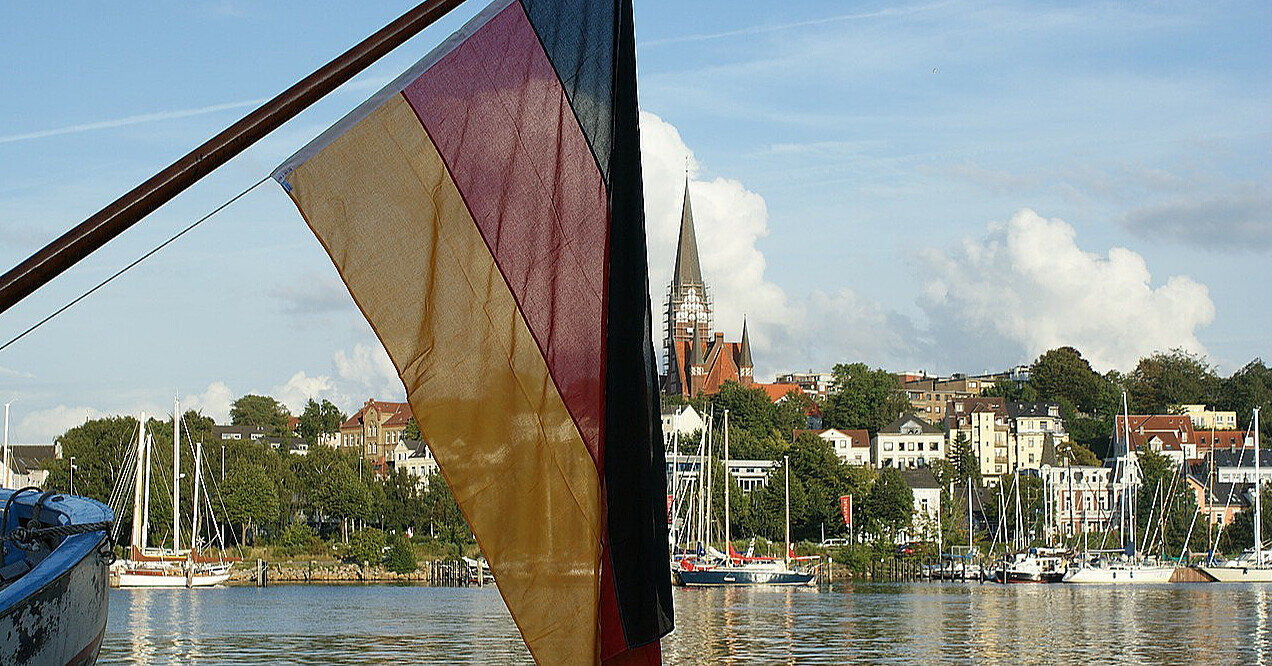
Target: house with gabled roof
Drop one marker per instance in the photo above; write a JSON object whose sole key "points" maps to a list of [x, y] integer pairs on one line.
{"points": [[910, 442], [1171, 435], [851, 446], [375, 429], [415, 458]]}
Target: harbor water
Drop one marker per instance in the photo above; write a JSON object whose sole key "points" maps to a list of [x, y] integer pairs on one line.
{"points": [[868, 623]]}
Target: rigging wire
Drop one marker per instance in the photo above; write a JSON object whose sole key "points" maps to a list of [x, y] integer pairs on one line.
{"points": [[140, 259]]}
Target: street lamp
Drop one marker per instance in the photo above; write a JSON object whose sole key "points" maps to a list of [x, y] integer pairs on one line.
{"points": [[72, 475]]}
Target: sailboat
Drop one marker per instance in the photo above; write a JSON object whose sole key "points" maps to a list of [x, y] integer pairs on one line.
{"points": [[733, 569], [160, 566], [1255, 564], [1109, 568]]}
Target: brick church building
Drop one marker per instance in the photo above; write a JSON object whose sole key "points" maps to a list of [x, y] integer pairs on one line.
{"points": [[698, 359]]}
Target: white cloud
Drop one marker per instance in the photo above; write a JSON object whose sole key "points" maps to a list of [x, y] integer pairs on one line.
{"points": [[1027, 287], [45, 425], [730, 221], [214, 402], [300, 388], [366, 371]]}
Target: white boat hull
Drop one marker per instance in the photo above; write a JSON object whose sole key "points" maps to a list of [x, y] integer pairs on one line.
{"points": [[1119, 575], [1239, 574], [142, 576]]}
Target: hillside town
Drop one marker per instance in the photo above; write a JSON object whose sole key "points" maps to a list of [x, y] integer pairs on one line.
{"points": [[1055, 427]]}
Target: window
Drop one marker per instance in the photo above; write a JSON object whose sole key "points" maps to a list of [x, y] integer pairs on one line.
{"points": [[887, 446], [934, 446]]}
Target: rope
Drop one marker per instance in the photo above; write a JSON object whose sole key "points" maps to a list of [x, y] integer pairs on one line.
{"points": [[27, 535], [140, 259]]}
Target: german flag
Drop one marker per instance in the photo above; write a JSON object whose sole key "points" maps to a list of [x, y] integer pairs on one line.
{"points": [[486, 212]]}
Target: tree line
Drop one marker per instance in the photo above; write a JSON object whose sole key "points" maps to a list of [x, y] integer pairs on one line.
{"points": [[265, 495]]}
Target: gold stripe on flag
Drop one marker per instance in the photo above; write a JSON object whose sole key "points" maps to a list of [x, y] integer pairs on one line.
{"points": [[382, 203]]}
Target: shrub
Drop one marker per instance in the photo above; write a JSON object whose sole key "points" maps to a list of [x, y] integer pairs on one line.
{"points": [[365, 546], [296, 539], [401, 557]]}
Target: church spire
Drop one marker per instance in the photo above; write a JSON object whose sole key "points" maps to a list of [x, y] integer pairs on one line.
{"points": [[744, 360], [688, 271]]}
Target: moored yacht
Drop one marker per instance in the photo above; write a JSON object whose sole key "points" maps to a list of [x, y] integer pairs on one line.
{"points": [[1255, 564]]}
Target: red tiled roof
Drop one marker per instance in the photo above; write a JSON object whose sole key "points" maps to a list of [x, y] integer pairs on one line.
{"points": [[399, 413], [778, 391], [1229, 439]]}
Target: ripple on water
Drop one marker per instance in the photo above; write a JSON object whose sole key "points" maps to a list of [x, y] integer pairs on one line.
{"points": [[877, 623]]}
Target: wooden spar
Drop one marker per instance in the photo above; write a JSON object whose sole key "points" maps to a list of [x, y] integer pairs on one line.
{"points": [[67, 250]]}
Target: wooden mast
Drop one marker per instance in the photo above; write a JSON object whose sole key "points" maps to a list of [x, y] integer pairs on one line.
{"points": [[81, 241]]}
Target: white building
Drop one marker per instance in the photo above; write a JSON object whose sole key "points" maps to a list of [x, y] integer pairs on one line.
{"points": [[851, 446], [814, 384], [925, 523], [749, 474], [1034, 425], [684, 420], [416, 458], [908, 443], [1082, 498]]}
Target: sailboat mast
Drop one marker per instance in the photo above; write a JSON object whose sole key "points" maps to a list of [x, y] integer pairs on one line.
{"points": [[1258, 504], [702, 489], [1020, 518], [145, 513], [139, 482], [176, 474], [1127, 505], [728, 543], [969, 516], [786, 478], [675, 487], [198, 474]]}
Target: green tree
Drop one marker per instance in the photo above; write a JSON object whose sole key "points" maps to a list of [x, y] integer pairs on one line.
{"points": [[319, 419], [412, 431], [250, 498], [791, 412], [749, 408], [1172, 378], [260, 410], [401, 557], [1164, 507], [446, 521], [1247, 388], [966, 466], [1062, 375], [1012, 391], [887, 507], [1077, 454], [863, 398]]}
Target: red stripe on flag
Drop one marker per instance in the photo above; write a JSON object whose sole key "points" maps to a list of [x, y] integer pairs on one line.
{"points": [[496, 111]]}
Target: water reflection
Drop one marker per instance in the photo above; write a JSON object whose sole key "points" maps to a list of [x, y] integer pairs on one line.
{"points": [[924, 623]]}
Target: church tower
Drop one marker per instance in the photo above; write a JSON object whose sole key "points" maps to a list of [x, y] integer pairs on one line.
{"points": [[688, 314], [746, 367]]}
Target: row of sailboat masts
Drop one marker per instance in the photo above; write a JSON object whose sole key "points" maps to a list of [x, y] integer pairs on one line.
{"points": [[702, 521], [141, 487]]}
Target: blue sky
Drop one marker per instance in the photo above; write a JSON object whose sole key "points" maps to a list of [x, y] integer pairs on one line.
{"points": [[952, 186]]}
